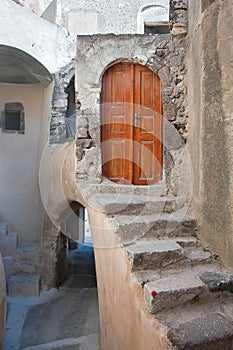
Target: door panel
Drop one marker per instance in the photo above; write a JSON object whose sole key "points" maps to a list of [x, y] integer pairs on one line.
{"points": [[148, 133], [117, 118], [146, 159], [116, 166], [131, 115]]}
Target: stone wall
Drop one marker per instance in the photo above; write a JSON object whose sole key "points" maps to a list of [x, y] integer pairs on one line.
{"points": [[164, 54], [60, 103], [210, 103], [92, 17]]}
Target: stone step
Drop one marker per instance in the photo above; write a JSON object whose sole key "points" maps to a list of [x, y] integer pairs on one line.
{"points": [[25, 267], [27, 251], [164, 254], [210, 274], [173, 291], [154, 253], [110, 187], [198, 256], [130, 228], [3, 228], [24, 286], [213, 331], [188, 242], [125, 204], [8, 244], [217, 281]]}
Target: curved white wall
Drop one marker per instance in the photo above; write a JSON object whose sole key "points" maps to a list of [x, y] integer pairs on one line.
{"points": [[22, 29]]}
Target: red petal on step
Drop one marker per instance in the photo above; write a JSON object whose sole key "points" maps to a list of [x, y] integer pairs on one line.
{"points": [[153, 293]]}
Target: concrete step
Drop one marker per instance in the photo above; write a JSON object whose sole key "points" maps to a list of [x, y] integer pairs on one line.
{"points": [[24, 286], [126, 204], [154, 253], [25, 267], [173, 291], [27, 251], [213, 331], [130, 228], [8, 244], [3, 228]]}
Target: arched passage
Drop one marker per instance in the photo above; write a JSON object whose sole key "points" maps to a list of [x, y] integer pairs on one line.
{"points": [[75, 258], [131, 117], [18, 67]]}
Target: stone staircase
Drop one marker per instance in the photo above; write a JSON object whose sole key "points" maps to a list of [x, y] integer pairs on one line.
{"points": [[21, 263], [185, 285]]}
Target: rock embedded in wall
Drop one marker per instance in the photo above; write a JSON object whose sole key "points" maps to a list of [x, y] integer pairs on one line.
{"points": [[82, 127], [179, 17]]}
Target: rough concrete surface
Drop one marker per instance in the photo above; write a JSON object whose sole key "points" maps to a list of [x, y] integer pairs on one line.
{"points": [[72, 315]]}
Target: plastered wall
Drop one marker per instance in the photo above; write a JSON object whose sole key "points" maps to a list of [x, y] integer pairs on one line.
{"points": [[210, 104], [20, 202]]}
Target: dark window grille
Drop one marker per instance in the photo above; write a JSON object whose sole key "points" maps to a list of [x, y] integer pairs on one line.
{"points": [[12, 120]]}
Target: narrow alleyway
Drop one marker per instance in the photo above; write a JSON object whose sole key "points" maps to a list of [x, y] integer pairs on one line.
{"points": [[65, 319]]}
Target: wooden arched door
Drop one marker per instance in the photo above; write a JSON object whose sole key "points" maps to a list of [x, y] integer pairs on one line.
{"points": [[131, 125]]}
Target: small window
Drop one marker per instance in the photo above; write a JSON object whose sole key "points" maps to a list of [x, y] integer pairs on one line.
{"points": [[154, 18], [12, 118]]}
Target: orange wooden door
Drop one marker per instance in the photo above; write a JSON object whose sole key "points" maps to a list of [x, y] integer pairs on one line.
{"points": [[131, 132]]}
